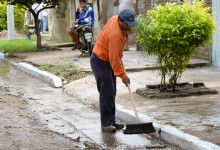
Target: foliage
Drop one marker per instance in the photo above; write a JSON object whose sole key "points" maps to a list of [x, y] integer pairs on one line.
{"points": [[17, 45], [3, 17], [172, 33], [18, 17]]}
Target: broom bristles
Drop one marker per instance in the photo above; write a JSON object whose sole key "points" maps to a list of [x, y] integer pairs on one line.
{"points": [[139, 128]]}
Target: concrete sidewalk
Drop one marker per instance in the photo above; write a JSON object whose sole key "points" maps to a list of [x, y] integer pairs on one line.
{"points": [[175, 119]]}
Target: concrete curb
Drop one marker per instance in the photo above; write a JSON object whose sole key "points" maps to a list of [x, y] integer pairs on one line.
{"points": [[51, 79], [195, 65], [167, 133], [47, 77]]}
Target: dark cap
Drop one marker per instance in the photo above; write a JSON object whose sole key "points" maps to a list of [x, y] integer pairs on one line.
{"points": [[128, 16], [84, 1]]}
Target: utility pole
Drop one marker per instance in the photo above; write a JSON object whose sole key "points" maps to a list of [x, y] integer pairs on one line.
{"points": [[10, 21], [216, 36]]}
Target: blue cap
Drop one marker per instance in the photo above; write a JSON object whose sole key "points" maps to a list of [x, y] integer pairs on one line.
{"points": [[128, 16]]}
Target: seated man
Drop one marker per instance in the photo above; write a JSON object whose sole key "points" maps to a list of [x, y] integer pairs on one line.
{"points": [[84, 16]]}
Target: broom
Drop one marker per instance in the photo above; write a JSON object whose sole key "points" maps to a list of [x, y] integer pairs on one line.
{"points": [[137, 128]]}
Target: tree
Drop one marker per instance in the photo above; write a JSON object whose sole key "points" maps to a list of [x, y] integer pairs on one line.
{"points": [[173, 33], [27, 4]]}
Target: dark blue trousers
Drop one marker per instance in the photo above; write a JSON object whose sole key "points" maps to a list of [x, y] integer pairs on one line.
{"points": [[106, 85]]}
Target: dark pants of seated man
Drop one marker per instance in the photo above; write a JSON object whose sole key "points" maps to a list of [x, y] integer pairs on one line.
{"points": [[106, 84]]}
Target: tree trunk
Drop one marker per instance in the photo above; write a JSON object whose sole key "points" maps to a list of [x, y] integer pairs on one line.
{"points": [[37, 32], [173, 82]]}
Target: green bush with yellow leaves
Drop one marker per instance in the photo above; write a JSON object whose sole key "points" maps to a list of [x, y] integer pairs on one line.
{"points": [[173, 33]]}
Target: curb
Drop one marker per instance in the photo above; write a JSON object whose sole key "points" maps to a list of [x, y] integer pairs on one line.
{"points": [[64, 45], [166, 132], [49, 78], [189, 66]]}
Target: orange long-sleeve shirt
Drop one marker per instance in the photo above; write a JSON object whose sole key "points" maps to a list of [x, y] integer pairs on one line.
{"points": [[109, 46]]}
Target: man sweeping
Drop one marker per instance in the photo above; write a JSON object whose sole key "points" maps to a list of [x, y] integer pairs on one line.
{"points": [[106, 63]]}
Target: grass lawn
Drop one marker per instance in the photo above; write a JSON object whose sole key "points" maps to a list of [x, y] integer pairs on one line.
{"points": [[17, 45]]}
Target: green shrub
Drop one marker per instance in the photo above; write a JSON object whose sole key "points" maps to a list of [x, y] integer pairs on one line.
{"points": [[18, 17], [172, 33], [3, 17]]}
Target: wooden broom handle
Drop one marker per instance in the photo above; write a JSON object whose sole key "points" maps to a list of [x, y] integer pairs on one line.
{"points": [[133, 102]]}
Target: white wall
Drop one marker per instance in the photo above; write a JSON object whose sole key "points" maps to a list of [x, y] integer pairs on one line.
{"points": [[59, 27]]}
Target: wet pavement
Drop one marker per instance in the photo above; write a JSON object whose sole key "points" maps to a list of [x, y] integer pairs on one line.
{"points": [[68, 115], [195, 115]]}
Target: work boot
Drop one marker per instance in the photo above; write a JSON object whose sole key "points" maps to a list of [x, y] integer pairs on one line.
{"points": [[118, 125], [109, 128]]}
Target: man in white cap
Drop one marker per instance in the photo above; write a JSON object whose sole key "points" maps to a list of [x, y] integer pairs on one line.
{"points": [[106, 63]]}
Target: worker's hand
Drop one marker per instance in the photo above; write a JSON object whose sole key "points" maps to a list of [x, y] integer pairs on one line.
{"points": [[126, 81]]}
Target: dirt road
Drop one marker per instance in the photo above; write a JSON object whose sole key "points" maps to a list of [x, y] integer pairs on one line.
{"points": [[21, 128]]}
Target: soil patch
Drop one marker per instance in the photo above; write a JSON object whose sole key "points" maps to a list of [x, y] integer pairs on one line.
{"points": [[4, 34], [182, 90], [67, 72], [21, 128]]}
